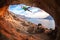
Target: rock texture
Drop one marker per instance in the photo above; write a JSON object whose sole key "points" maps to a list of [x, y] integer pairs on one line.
{"points": [[15, 28], [8, 32]]}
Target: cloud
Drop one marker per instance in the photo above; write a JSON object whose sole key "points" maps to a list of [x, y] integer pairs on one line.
{"points": [[40, 14], [36, 12]]}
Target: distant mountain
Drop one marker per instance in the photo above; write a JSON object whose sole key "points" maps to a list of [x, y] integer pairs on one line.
{"points": [[49, 18]]}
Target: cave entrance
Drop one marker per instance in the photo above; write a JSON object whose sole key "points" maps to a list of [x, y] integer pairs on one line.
{"points": [[34, 15]]}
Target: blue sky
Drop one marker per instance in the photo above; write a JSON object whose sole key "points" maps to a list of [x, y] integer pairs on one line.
{"points": [[36, 12]]}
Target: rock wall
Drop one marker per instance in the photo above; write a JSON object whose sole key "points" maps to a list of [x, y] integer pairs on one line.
{"points": [[50, 6]]}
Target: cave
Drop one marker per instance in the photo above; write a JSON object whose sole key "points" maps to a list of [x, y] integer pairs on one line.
{"points": [[50, 6]]}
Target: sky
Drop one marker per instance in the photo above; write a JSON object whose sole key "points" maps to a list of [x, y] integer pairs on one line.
{"points": [[36, 12]]}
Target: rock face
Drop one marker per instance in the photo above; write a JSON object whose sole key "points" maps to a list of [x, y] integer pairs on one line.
{"points": [[8, 32], [19, 23], [15, 28]]}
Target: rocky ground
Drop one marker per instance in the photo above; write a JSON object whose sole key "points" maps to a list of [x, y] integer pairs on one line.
{"points": [[14, 28]]}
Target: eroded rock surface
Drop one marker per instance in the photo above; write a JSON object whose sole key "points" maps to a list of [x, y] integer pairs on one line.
{"points": [[14, 28]]}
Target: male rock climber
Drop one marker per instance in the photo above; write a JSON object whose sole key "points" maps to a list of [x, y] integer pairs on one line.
{"points": [[26, 8]]}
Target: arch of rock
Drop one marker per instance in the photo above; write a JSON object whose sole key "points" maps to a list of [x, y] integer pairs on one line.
{"points": [[50, 6]]}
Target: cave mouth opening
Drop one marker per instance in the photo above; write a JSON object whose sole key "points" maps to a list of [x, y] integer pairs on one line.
{"points": [[33, 14]]}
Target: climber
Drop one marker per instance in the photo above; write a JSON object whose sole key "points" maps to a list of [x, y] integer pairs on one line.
{"points": [[26, 8]]}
